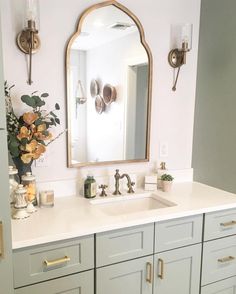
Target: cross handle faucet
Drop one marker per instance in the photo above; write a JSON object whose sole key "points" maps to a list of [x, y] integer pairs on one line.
{"points": [[130, 184]]}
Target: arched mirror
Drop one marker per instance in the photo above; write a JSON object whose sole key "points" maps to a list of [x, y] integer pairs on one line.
{"points": [[109, 72]]}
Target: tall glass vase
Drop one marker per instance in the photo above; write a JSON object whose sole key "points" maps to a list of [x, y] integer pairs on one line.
{"points": [[22, 167]]}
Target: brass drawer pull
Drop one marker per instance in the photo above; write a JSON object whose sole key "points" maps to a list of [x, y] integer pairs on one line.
{"points": [[48, 263], [226, 259], [228, 224], [161, 268], [149, 272], [1, 241]]}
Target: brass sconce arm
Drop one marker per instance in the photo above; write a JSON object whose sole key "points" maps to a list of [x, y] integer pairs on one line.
{"points": [[176, 59], [29, 43]]}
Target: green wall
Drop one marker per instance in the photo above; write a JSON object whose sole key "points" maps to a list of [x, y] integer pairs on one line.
{"points": [[214, 142]]}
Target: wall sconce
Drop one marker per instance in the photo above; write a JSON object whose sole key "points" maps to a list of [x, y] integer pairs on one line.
{"points": [[28, 40], [177, 56]]}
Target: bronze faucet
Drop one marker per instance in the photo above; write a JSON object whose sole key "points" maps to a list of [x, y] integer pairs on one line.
{"points": [[130, 184]]}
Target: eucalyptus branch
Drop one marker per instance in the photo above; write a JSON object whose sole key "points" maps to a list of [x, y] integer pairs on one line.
{"points": [[59, 135], [47, 114]]}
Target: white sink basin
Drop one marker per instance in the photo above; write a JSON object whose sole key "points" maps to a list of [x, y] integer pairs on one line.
{"points": [[118, 205]]}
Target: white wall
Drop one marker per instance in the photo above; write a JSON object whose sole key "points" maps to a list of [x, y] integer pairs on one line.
{"points": [[78, 111], [172, 113]]}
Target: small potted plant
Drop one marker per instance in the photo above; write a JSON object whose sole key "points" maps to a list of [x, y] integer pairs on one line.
{"points": [[166, 182]]}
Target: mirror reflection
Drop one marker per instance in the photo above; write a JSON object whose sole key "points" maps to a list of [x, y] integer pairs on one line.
{"points": [[108, 84]]}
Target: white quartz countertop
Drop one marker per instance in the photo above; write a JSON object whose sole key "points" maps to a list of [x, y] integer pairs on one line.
{"points": [[75, 216]]}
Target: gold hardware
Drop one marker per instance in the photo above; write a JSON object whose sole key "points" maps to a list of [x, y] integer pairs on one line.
{"points": [[1, 241], [228, 224], [161, 268], [48, 263], [149, 272], [226, 259]]}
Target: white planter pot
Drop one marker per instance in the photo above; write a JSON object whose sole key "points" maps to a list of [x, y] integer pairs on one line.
{"points": [[166, 186]]}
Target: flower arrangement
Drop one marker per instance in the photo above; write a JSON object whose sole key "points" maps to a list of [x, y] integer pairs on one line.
{"points": [[30, 134]]}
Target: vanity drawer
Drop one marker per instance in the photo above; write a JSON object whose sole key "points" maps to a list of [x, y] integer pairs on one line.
{"points": [[82, 283], [178, 232], [39, 263], [227, 286], [219, 259], [120, 245], [220, 224]]}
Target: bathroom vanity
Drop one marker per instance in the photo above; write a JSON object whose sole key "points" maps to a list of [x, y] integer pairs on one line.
{"points": [[78, 247]]}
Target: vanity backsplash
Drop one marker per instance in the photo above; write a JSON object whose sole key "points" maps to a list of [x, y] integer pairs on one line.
{"points": [[69, 187]]}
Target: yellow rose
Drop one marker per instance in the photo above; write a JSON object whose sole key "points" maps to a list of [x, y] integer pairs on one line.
{"points": [[30, 117]]}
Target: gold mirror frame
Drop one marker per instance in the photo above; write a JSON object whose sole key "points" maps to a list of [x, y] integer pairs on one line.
{"points": [[150, 60]]}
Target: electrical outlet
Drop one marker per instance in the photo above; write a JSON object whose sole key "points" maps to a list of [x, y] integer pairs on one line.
{"points": [[164, 149], [42, 161]]}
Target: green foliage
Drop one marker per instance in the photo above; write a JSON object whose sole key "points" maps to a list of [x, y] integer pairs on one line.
{"points": [[34, 101], [57, 106], [13, 145], [45, 95], [31, 126], [167, 177]]}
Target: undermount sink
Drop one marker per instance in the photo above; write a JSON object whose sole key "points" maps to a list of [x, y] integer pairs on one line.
{"points": [[118, 205]]}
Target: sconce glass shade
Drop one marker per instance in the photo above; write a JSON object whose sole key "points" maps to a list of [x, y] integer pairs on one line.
{"points": [[31, 13], [184, 36]]}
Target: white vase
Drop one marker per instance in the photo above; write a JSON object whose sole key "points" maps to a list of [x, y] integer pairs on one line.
{"points": [[166, 186]]}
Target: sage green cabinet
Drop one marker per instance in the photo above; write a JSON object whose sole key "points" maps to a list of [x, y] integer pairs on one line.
{"points": [[82, 283], [219, 259], [219, 253], [6, 275], [227, 286], [124, 244], [130, 277], [49, 261], [167, 272], [178, 233], [178, 271], [220, 224], [2, 100]]}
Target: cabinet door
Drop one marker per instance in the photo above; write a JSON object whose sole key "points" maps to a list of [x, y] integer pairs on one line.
{"points": [[130, 277], [124, 244], [2, 100], [178, 271], [6, 276], [82, 283], [227, 286], [177, 233]]}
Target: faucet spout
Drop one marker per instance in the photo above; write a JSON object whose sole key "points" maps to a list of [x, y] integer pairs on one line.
{"points": [[130, 184]]}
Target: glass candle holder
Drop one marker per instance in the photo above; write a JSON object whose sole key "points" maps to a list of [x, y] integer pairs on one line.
{"points": [[13, 184], [20, 203], [29, 182]]}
